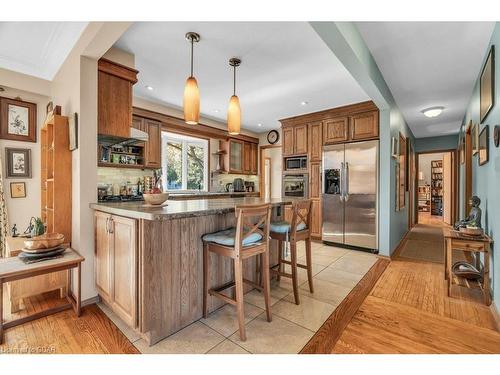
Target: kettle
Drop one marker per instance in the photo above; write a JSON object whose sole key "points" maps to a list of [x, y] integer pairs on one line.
{"points": [[229, 186]]}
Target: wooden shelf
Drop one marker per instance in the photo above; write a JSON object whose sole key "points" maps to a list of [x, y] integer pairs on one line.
{"points": [[116, 165]]}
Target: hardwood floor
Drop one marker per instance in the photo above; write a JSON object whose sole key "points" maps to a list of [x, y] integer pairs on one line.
{"points": [[427, 218], [92, 333], [408, 311]]}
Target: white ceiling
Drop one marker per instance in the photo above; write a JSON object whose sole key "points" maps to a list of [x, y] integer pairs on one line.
{"points": [[283, 64], [37, 48], [428, 64]]}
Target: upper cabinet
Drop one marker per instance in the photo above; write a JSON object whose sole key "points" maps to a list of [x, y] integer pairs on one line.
{"points": [[152, 148], [364, 126], [295, 140], [315, 138], [114, 95], [240, 157], [336, 129]]}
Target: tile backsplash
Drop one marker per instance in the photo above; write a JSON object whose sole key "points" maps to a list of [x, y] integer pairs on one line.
{"points": [[219, 181]]}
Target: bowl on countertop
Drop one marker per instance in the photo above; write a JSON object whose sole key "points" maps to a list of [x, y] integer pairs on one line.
{"points": [[155, 199], [45, 241]]}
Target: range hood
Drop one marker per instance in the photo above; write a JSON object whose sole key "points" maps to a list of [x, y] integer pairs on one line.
{"points": [[136, 136]]}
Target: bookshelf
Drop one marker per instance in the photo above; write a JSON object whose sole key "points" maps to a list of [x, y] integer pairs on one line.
{"points": [[56, 176], [424, 198], [437, 187]]}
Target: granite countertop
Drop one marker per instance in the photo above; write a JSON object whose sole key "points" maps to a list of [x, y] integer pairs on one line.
{"points": [[180, 196], [176, 209]]}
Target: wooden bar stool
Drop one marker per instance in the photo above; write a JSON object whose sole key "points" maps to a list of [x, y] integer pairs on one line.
{"points": [[297, 230], [249, 238]]}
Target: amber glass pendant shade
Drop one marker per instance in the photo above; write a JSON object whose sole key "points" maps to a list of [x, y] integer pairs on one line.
{"points": [[234, 116], [191, 102]]}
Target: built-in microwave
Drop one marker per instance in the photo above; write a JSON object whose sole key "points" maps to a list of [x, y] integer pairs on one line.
{"points": [[296, 163]]}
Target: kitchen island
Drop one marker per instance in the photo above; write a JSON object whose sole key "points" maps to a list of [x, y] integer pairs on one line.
{"points": [[149, 260]]}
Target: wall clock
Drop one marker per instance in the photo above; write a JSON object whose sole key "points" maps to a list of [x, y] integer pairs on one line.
{"points": [[496, 135], [273, 136]]}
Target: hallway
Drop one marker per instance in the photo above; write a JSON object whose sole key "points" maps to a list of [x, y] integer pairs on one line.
{"points": [[408, 310]]}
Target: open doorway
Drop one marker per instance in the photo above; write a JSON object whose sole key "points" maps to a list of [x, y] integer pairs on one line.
{"points": [[270, 171], [435, 189]]}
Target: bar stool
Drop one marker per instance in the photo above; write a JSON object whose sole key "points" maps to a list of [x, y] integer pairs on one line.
{"points": [[244, 241], [297, 230]]}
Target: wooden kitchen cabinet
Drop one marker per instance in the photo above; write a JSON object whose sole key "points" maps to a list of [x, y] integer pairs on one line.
{"points": [[247, 154], [315, 180], [315, 138], [254, 158], [116, 264], [287, 141], [364, 126], [300, 139], [152, 150], [316, 219], [114, 98], [336, 130]]}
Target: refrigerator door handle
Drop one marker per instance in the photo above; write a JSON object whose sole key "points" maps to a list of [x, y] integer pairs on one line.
{"points": [[346, 193], [341, 196]]}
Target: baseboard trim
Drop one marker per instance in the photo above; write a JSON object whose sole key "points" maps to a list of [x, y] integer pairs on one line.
{"points": [[399, 247], [496, 314], [326, 337], [91, 301]]}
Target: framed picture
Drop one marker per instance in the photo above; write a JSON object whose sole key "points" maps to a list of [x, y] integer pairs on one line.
{"points": [[483, 146], [402, 171], [394, 147], [487, 85], [17, 120], [18, 162], [474, 137], [73, 132], [17, 190]]}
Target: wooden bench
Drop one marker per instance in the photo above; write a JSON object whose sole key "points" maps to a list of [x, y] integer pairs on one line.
{"points": [[12, 269]]}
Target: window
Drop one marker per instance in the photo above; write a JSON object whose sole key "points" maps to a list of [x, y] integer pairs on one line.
{"points": [[184, 162]]}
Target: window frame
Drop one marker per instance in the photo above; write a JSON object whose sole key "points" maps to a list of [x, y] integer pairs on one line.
{"points": [[167, 136]]}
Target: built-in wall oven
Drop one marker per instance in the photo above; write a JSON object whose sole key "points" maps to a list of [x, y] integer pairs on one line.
{"points": [[295, 185]]}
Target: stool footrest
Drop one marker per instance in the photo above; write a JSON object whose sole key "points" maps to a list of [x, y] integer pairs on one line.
{"points": [[284, 274], [290, 263], [222, 297]]}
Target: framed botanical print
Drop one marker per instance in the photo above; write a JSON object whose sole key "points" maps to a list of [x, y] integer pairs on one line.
{"points": [[484, 146], [18, 162], [17, 120], [487, 85], [17, 190]]}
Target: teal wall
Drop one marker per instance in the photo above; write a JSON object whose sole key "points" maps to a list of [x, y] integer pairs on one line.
{"points": [[345, 41], [486, 178], [445, 142]]}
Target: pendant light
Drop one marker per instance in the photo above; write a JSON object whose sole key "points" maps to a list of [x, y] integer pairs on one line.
{"points": [[234, 109], [191, 91]]}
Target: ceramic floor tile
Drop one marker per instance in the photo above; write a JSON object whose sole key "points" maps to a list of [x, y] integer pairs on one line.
{"points": [[225, 320], [256, 298], [330, 251], [287, 282], [196, 338], [357, 264], [311, 313], [322, 260], [129, 333], [227, 347], [277, 337], [326, 292], [339, 277]]}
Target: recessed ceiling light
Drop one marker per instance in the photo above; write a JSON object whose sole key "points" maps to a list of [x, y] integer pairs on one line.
{"points": [[216, 110], [433, 111], [150, 88], [259, 125], [304, 103]]}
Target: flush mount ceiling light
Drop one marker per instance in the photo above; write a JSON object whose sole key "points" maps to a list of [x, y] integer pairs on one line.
{"points": [[150, 88], [191, 91], [433, 111], [234, 109]]}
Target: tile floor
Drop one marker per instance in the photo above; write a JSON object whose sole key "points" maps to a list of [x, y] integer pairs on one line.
{"points": [[336, 271]]}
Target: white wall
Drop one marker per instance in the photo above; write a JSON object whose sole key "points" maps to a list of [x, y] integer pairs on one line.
{"points": [[424, 165], [276, 163], [20, 210]]}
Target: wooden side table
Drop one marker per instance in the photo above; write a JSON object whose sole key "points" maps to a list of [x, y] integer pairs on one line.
{"points": [[454, 240], [12, 269]]}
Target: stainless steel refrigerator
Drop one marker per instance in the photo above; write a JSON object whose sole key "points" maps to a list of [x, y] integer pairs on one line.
{"points": [[350, 194]]}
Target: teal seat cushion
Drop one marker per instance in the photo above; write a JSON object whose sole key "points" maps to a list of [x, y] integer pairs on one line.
{"points": [[226, 237], [284, 226]]}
